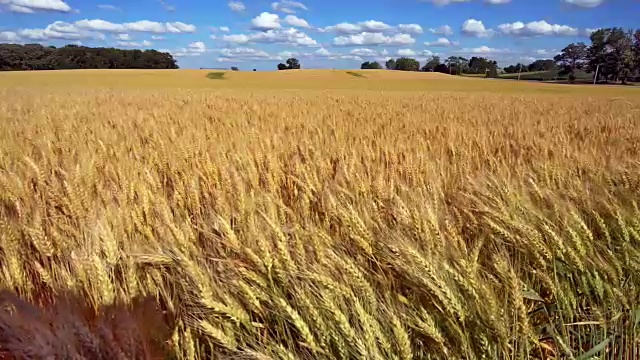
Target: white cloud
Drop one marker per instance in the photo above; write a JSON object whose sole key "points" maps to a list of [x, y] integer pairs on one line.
{"points": [[373, 38], [364, 26], [108, 7], [411, 28], [537, 28], [31, 6], [9, 36], [157, 37], [266, 21], [374, 26], [476, 28], [406, 52], [364, 52], [224, 28], [584, 3], [483, 50], [138, 26], [289, 36], [441, 42], [288, 6], [296, 21], [445, 30], [194, 49], [322, 52], [445, 2], [123, 37], [287, 54], [497, 2], [58, 30], [135, 44], [236, 6], [245, 53], [224, 59]]}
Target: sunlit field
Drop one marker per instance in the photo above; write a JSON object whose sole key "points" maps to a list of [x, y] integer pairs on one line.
{"points": [[317, 215]]}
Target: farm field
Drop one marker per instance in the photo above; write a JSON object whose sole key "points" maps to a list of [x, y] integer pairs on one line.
{"points": [[317, 215]]}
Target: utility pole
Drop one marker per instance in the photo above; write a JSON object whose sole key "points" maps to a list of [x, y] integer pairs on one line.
{"points": [[519, 72], [595, 77]]}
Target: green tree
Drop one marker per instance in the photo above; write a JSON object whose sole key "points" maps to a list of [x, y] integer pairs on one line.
{"points": [[612, 51], [573, 56], [390, 64], [431, 64], [370, 65], [234, 68], [480, 65], [541, 65], [407, 64], [293, 63], [282, 66]]}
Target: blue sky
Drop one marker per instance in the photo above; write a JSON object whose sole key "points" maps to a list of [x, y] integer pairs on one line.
{"points": [[320, 33]]}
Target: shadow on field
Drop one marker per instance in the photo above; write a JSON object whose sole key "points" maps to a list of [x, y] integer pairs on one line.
{"points": [[216, 75], [353, 73], [67, 329]]}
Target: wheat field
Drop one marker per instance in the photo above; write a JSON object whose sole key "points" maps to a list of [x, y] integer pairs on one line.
{"points": [[316, 215]]}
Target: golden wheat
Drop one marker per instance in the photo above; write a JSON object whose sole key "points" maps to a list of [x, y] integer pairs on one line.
{"points": [[480, 219]]}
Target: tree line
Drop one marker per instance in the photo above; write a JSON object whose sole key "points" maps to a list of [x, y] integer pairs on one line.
{"points": [[614, 53], [452, 65], [38, 57]]}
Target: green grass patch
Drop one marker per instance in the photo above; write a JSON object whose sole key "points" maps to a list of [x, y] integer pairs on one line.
{"points": [[216, 75], [353, 73]]}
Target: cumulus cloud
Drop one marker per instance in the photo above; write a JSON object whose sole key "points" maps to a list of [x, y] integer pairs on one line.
{"points": [[135, 44], [138, 26], [411, 28], [266, 21], [441, 42], [476, 28], [373, 38], [296, 21], [289, 36], [236, 6], [584, 3], [445, 30], [406, 52], [123, 37], [32, 6], [194, 49], [224, 28], [537, 28], [157, 37], [9, 37], [108, 7], [364, 26], [483, 50], [364, 52], [288, 6], [497, 2]]}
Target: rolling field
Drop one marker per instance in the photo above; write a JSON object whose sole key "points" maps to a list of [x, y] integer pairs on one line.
{"points": [[316, 215]]}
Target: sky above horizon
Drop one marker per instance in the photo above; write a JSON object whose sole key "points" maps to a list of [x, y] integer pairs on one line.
{"points": [[321, 34]]}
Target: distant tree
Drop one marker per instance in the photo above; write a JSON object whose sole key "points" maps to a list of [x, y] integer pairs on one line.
{"points": [[613, 50], [512, 69], [234, 68], [371, 65], [572, 57], [254, 69], [282, 66], [542, 65], [390, 64], [431, 64], [441, 68], [293, 63], [492, 72], [480, 65], [407, 64], [38, 57]]}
